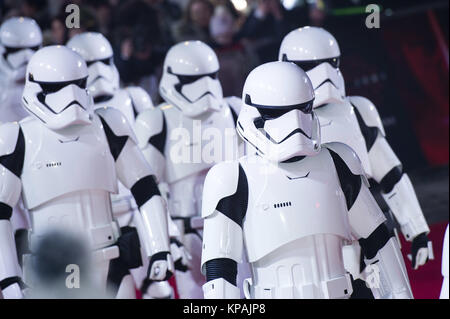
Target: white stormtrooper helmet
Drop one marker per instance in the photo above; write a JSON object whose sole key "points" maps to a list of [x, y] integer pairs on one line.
{"points": [[20, 38], [55, 88], [317, 52], [190, 80], [96, 50], [277, 117]]}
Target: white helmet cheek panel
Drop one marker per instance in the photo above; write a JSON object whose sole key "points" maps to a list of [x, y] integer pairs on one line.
{"points": [[103, 79], [68, 97], [20, 58], [11, 74], [327, 93], [14, 66], [101, 70], [328, 83], [295, 145], [204, 104], [48, 112], [100, 87], [194, 98], [289, 126], [204, 86]]}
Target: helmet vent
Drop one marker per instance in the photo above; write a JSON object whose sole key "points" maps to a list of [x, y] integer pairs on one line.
{"points": [[281, 205]]}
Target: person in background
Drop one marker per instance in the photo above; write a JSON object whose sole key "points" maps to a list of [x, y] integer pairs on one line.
{"points": [[103, 14], [264, 28], [235, 58], [58, 33], [137, 61], [195, 23], [36, 9]]}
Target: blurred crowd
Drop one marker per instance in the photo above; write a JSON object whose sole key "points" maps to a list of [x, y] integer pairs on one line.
{"points": [[244, 33]]}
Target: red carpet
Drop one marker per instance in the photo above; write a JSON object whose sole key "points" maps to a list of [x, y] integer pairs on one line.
{"points": [[427, 280]]}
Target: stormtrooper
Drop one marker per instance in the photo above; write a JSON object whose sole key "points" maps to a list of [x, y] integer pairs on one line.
{"points": [[293, 205], [103, 84], [183, 138], [103, 81], [20, 38], [65, 161], [354, 120]]}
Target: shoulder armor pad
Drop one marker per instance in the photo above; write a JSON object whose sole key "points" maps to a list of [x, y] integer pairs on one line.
{"points": [[235, 103], [348, 155], [221, 182], [9, 134], [150, 124], [116, 121], [368, 111], [139, 98]]}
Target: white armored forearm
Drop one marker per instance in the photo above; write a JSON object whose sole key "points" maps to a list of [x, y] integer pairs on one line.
{"points": [[139, 178], [388, 266], [398, 191], [9, 266], [403, 202], [135, 174], [12, 146], [385, 271], [155, 235]]}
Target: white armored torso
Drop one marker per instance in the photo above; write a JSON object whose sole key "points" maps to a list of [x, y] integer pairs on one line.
{"points": [[292, 240], [278, 205], [191, 154], [338, 123], [182, 149], [293, 230], [81, 165]]}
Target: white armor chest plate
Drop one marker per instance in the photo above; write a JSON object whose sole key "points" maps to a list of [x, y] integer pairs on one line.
{"points": [[11, 108], [186, 195], [338, 123], [67, 180], [195, 145], [122, 102], [57, 165], [292, 201]]}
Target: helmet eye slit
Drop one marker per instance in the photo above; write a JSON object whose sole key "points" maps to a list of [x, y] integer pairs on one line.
{"points": [[11, 50], [309, 65], [53, 87], [107, 61], [270, 112], [188, 79]]}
